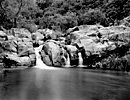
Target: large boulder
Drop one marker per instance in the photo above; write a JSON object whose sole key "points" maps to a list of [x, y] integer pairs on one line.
{"points": [[53, 54], [73, 54]]}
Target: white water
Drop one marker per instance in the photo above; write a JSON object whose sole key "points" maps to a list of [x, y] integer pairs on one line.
{"points": [[39, 62], [80, 60], [68, 61]]}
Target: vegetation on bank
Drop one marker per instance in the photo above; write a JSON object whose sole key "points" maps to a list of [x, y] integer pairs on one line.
{"points": [[117, 59], [61, 14]]}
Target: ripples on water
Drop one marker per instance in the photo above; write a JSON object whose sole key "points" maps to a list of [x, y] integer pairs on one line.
{"points": [[64, 84]]}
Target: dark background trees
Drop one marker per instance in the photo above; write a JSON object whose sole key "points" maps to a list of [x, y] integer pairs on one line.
{"points": [[61, 14]]}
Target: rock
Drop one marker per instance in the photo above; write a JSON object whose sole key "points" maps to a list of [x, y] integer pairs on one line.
{"points": [[98, 42], [52, 54], [42, 35], [9, 46], [3, 36], [18, 49], [20, 33], [11, 37], [37, 36], [23, 56], [26, 61], [53, 35], [88, 37], [12, 60], [73, 53], [32, 57], [26, 52], [122, 37], [73, 29], [46, 58], [89, 32], [85, 29], [126, 21], [24, 46]]}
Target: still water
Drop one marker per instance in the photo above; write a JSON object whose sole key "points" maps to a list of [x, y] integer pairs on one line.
{"points": [[64, 84]]}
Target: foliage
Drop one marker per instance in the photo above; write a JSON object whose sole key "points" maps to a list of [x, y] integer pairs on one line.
{"points": [[62, 14], [93, 16], [17, 10]]}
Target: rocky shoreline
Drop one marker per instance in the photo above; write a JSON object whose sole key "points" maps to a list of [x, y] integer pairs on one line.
{"points": [[99, 47]]}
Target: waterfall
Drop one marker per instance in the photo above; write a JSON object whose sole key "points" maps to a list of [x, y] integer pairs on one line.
{"points": [[67, 61], [80, 60], [39, 62]]}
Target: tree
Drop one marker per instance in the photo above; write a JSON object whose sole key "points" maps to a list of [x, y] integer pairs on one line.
{"points": [[13, 9], [93, 16]]}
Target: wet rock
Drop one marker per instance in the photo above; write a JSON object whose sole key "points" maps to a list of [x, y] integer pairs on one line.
{"points": [[53, 54], [73, 54], [46, 58]]}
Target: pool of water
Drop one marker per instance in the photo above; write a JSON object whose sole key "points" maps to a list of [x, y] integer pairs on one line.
{"points": [[64, 84]]}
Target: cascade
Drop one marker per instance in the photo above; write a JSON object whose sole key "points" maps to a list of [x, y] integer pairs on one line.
{"points": [[67, 61], [39, 63], [80, 60]]}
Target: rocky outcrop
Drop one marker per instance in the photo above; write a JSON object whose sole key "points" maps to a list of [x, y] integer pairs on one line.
{"points": [[94, 38], [42, 35], [99, 43], [17, 50], [95, 44]]}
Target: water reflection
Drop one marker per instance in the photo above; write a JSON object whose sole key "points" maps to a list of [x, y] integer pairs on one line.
{"points": [[64, 84]]}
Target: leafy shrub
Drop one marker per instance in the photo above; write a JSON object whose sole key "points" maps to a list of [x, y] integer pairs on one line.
{"points": [[93, 17]]}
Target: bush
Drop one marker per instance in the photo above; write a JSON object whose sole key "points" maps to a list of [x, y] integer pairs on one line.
{"points": [[93, 17], [31, 26]]}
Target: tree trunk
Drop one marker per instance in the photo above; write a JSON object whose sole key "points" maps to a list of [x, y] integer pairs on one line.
{"points": [[15, 23]]}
